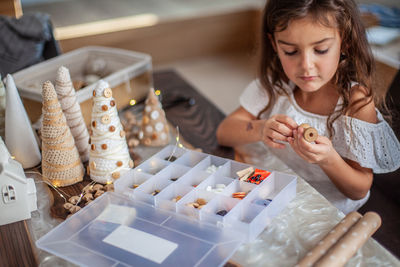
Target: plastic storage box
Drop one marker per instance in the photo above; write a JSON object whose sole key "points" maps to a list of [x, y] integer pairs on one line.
{"points": [[136, 228], [130, 77]]}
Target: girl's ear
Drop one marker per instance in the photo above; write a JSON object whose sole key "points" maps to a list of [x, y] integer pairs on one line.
{"points": [[272, 40]]}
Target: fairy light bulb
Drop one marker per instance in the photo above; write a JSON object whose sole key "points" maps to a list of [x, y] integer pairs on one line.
{"points": [[157, 92], [132, 102]]}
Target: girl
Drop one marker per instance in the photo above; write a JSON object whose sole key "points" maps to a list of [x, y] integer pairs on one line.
{"points": [[317, 68]]}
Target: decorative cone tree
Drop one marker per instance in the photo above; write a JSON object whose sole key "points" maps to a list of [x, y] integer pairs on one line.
{"points": [[72, 111], [21, 140], [155, 130], [109, 156], [61, 164]]}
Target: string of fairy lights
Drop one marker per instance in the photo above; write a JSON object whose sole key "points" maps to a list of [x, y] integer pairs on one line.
{"points": [[63, 194]]}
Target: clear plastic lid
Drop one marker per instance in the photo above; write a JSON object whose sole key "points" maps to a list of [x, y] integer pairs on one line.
{"points": [[117, 231]]}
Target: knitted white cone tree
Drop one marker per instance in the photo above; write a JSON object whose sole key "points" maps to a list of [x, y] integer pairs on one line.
{"points": [[20, 138], [109, 156], [155, 130], [72, 111], [61, 164], [2, 109]]}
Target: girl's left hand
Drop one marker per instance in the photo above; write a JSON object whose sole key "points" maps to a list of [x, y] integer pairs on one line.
{"points": [[319, 153]]}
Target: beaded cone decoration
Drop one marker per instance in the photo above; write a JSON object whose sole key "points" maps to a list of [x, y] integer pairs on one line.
{"points": [[109, 156], [72, 111], [61, 164], [2, 109], [155, 130]]}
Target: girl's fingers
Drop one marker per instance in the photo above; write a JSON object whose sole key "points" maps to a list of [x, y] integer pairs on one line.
{"points": [[273, 144], [322, 140], [302, 147], [281, 128], [275, 135], [287, 121]]}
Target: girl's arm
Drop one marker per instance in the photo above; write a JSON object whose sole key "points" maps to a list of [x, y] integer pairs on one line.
{"points": [[241, 127], [238, 128], [348, 176]]}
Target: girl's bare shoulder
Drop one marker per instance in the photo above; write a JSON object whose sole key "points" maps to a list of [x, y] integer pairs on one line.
{"points": [[361, 104]]}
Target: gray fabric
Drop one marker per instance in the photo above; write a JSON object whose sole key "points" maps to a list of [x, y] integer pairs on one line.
{"points": [[25, 41]]}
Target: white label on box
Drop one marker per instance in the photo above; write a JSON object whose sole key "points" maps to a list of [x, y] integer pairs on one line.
{"points": [[141, 243], [126, 215]]}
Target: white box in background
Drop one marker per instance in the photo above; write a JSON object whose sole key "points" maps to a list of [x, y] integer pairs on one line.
{"points": [[130, 77]]}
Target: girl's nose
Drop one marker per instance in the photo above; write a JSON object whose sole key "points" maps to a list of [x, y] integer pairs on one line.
{"points": [[307, 61]]}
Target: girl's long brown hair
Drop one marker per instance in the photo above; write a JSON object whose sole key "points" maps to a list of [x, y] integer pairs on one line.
{"points": [[356, 64]]}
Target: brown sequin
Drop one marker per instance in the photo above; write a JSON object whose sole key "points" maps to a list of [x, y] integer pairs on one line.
{"points": [[104, 107], [116, 175], [145, 120], [147, 141], [105, 119], [89, 141], [94, 124], [119, 163], [112, 103], [93, 147], [154, 136], [94, 92], [107, 92], [111, 128], [104, 146]]}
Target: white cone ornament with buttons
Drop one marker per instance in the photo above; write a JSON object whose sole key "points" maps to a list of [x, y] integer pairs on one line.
{"points": [[61, 164], [2, 109], [72, 111], [21, 140], [155, 130], [109, 156]]}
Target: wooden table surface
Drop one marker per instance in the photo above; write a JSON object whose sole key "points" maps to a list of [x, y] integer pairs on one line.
{"points": [[197, 119]]}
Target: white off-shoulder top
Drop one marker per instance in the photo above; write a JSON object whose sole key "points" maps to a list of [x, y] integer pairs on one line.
{"points": [[373, 146]]}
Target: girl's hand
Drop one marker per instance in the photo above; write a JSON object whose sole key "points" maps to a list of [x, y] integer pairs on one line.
{"points": [[278, 128], [320, 153]]}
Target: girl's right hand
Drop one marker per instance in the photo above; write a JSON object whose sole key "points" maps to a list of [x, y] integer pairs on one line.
{"points": [[278, 128]]}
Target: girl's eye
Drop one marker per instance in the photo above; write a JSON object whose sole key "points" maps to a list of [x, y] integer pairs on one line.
{"points": [[290, 53], [321, 52]]}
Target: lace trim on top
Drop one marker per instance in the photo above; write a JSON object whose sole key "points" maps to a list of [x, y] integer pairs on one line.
{"points": [[373, 146]]}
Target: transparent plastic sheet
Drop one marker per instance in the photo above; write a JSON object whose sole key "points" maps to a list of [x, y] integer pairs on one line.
{"points": [[41, 222], [304, 222]]}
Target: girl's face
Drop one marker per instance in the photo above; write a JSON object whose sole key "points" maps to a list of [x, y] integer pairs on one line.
{"points": [[309, 53]]}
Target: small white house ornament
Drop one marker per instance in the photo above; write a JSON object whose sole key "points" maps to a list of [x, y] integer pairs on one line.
{"points": [[17, 193]]}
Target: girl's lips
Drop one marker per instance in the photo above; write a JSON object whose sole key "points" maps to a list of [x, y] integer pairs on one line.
{"points": [[308, 78]]}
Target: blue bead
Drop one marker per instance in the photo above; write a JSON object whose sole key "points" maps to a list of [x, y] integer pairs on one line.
{"points": [[263, 202]]}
